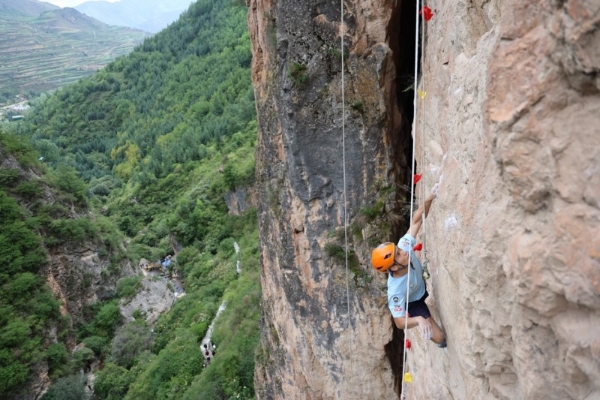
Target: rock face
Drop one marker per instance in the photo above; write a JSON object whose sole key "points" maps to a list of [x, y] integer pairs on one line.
{"points": [[508, 124], [154, 298], [324, 327]]}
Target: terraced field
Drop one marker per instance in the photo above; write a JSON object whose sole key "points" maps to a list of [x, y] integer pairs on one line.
{"points": [[56, 48]]}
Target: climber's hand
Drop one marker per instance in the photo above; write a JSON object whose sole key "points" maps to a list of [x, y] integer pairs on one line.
{"points": [[425, 328]]}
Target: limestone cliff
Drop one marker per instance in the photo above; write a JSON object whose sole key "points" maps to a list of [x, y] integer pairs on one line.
{"points": [[509, 125]]}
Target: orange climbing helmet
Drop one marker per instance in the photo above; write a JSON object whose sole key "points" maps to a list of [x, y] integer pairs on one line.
{"points": [[382, 257]]}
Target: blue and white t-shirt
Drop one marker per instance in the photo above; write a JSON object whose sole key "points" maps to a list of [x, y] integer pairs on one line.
{"points": [[397, 286]]}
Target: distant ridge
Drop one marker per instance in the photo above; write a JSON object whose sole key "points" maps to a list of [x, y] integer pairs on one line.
{"points": [[31, 8], [147, 15], [44, 47]]}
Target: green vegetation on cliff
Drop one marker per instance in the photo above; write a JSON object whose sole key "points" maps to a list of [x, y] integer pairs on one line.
{"points": [[160, 137], [38, 215]]}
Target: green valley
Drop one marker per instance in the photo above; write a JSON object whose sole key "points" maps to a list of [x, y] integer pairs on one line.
{"points": [[160, 138]]}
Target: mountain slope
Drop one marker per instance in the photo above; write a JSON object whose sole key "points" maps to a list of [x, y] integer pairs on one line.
{"points": [[55, 47], [57, 259], [163, 135], [147, 15], [32, 8]]}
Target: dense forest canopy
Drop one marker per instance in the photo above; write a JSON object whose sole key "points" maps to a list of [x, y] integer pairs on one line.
{"points": [[159, 137]]}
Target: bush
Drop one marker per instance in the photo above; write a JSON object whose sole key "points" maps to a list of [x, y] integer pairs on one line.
{"points": [[128, 287], [108, 317], [69, 388], [29, 190], [96, 344], [112, 382], [83, 358], [58, 358], [130, 341], [8, 177], [298, 74]]}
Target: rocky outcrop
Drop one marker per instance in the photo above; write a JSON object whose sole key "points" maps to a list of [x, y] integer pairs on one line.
{"points": [[509, 128], [154, 297], [240, 200]]}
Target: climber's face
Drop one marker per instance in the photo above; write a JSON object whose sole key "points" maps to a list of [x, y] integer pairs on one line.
{"points": [[400, 260]]}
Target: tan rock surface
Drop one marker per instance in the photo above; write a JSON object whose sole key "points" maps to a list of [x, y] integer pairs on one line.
{"points": [[510, 129]]}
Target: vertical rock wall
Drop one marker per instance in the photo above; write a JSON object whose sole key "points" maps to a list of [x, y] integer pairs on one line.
{"points": [[510, 128], [511, 122], [317, 344]]}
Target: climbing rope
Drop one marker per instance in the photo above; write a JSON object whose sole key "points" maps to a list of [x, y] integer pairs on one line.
{"points": [[344, 154], [406, 377], [423, 93], [344, 173]]}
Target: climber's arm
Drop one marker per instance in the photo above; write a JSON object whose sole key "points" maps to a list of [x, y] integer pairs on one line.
{"points": [[417, 220], [412, 322], [427, 326]]}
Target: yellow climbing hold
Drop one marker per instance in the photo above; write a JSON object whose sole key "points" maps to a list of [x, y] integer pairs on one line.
{"points": [[422, 94], [408, 377]]}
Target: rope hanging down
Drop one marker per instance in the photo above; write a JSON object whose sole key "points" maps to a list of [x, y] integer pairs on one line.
{"points": [[344, 155], [344, 177], [406, 377]]}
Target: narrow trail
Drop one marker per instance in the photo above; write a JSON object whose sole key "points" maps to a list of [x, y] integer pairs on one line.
{"points": [[207, 347]]}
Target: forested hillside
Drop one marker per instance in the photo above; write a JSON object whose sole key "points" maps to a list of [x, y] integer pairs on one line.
{"points": [[44, 219], [160, 137]]}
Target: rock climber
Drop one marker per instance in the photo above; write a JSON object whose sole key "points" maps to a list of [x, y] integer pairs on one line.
{"points": [[393, 259]]}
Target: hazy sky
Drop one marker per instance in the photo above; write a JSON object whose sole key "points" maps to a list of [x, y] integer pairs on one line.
{"points": [[72, 3]]}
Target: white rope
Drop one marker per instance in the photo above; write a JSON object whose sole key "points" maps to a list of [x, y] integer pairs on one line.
{"points": [[344, 174], [410, 251], [422, 125], [344, 154]]}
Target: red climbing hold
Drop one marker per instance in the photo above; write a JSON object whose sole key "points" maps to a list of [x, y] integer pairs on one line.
{"points": [[418, 247], [407, 344], [417, 178], [426, 13]]}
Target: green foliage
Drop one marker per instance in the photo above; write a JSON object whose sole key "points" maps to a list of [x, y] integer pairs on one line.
{"points": [[66, 230], [374, 211], [161, 136], [171, 372], [338, 254], [359, 106], [108, 317], [27, 306], [8, 177], [96, 343], [129, 342], [112, 382], [84, 358], [237, 332], [128, 287], [159, 108], [19, 149], [30, 190], [67, 179], [68, 388], [57, 357], [298, 74]]}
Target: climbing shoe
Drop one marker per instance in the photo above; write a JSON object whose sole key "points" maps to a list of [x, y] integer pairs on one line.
{"points": [[442, 344]]}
